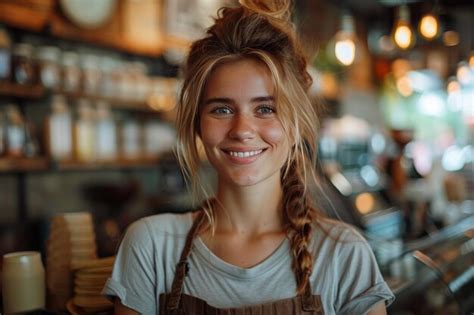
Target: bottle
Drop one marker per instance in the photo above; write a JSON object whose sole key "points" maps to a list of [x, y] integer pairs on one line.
{"points": [[106, 135], [5, 55], [131, 148], [91, 74], [84, 132], [24, 68], [59, 130], [49, 70], [71, 73], [31, 147], [15, 132], [159, 138]]}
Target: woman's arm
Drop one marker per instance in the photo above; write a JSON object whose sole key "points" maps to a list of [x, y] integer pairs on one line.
{"points": [[378, 309], [121, 309]]}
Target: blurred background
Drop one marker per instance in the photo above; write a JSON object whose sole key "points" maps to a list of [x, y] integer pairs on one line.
{"points": [[88, 91]]}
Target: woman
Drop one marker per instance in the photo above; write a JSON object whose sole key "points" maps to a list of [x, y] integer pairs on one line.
{"points": [[259, 246]]}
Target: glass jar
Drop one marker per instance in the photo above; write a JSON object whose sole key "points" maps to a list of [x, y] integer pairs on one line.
{"points": [[23, 65], [71, 72], [15, 132], [5, 55], [49, 70], [91, 74]]}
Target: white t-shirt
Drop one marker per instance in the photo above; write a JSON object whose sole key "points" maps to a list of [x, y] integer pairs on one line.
{"points": [[345, 272]]}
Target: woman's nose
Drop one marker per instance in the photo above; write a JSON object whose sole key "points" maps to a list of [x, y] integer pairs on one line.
{"points": [[242, 128]]}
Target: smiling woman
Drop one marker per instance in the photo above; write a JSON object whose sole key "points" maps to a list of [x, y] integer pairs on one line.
{"points": [[243, 138], [259, 245]]}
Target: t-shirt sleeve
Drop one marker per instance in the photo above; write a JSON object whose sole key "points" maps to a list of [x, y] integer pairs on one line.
{"points": [[361, 284], [133, 277]]}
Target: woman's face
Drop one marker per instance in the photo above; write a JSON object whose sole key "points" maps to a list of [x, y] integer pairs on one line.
{"points": [[243, 138]]}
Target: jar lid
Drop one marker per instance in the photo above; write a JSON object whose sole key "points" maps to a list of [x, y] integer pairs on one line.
{"points": [[22, 257]]}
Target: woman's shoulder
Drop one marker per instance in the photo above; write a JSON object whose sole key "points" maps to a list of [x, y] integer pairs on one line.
{"points": [[164, 224], [338, 231]]}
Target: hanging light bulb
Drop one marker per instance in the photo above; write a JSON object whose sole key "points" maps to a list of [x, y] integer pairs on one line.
{"points": [[403, 34], [345, 46], [429, 26]]}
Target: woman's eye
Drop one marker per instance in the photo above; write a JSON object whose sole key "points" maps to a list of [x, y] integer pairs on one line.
{"points": [[266, 110], [221, 110]]}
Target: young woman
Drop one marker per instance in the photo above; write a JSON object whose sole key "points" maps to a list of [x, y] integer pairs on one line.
{"points": [[259, 246]]}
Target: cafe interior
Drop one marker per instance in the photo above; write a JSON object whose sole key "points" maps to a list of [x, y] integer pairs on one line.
{"points": [[88, 93]]}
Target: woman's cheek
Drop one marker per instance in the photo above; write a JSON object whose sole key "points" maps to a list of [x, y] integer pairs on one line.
{"points": [[274, 134]]}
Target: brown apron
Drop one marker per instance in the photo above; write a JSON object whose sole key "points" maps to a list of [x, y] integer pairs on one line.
{"points": [[176, 302]]}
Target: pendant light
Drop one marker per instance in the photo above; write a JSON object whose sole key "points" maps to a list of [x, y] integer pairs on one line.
{"points": [[429, 26], [345, 41], [403, 34]]}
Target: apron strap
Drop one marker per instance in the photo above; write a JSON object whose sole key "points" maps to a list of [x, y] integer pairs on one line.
{"points": [[182, 266]]}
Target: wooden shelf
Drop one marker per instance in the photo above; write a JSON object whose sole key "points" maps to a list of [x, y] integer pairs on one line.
{"points": [[9, 89], [105, 165], [26, 165], [23, 164], [113, 102], [36, 92]]}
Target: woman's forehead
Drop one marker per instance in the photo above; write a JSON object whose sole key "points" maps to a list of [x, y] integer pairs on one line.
{"points": [[245, 78]]}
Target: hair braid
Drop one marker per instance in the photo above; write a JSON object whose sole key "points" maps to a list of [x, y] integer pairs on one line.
{"points": [[299, 216]]}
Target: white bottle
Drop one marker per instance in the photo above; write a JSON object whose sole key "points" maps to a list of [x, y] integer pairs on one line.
{"points": [[60, 130], [131, 148], [106, 134], [85, 133]]}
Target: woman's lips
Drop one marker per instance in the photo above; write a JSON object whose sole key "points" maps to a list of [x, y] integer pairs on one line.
{"points": [[243, 156]]}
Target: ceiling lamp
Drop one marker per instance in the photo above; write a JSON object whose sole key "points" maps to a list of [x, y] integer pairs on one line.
{"points": [[429, 26], [403, 34], [345, 42]]}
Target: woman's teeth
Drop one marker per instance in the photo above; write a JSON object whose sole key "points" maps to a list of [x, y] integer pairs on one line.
{"points": [[245, 154]]}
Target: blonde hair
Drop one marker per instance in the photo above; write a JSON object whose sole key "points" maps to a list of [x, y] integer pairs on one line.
{"points": [[262, 31]]}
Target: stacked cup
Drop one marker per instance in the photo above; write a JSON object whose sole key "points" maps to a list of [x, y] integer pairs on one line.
{"points": [[71, 242], [90, 278]]}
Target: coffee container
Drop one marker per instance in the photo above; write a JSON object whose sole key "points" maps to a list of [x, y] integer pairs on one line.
{"points": [[23, 282]]}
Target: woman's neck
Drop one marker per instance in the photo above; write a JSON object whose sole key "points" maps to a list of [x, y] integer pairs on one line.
{"points": [[251, 210]]}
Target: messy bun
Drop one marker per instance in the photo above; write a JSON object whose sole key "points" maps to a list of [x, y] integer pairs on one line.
{"points": [[278, 9]]}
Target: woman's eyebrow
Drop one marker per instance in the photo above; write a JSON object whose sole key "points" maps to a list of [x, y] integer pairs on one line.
{"points": [[218, 100], [230, 101], [262, 99]]}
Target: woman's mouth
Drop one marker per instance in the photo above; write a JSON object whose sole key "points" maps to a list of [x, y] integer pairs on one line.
{"points": [[242, 154], [243, 157]]}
